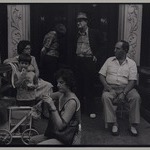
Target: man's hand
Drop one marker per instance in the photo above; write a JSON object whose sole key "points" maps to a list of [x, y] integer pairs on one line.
{"points": [[43, 51], [94, 59], [121, 98], [108, 88]]}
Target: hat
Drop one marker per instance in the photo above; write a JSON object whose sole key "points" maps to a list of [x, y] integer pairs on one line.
{"points": [[81, 15]]}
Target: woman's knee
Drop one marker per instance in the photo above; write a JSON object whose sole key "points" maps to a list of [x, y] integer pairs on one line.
{"points": [[51, 142], [37, 139]]}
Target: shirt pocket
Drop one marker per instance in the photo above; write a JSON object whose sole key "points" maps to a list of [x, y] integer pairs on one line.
{"points": [[111, 70], [125, 73]]}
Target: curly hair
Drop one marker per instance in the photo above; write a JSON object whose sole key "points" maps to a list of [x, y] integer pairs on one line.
{"points": [[22, 45], [68, 76]]}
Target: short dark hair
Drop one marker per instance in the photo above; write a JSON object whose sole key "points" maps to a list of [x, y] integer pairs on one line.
{"points": [[80, 19], [82, 16], [125, 45], [24, 58], [60, 28], [22, 45], [68, 76]]}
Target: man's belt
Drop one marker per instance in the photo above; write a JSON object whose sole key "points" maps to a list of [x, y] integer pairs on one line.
{"points": [[81, 55]]}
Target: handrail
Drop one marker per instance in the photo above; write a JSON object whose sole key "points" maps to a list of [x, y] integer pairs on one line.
{"points": [[144, 70]]}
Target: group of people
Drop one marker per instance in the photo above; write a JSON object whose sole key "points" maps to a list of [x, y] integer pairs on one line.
{"points": [[118, 75], [32, 91]]}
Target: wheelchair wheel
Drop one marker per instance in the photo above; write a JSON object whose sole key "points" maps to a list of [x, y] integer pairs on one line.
{"points": [[27, 134], [5, 137]]}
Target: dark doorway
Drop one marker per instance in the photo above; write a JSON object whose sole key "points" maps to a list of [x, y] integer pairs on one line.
{"points": [[3, 32], [101, 16], [145, 39], [43, 19]]}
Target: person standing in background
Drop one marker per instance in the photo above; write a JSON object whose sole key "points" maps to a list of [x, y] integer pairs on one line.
{"points": [[50, 53], [87, 51]]}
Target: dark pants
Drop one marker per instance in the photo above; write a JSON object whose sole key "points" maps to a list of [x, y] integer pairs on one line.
{"points": [[86, 74], [49, 66]]}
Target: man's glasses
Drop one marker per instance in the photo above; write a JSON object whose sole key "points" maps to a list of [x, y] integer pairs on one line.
{"points": [[81, 19]]}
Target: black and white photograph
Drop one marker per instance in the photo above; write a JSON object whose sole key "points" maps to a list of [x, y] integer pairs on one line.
{"points": [[74, 74]]}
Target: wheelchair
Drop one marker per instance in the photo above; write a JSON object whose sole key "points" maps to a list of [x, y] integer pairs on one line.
{"points": [[19, 117], [19, 125]]}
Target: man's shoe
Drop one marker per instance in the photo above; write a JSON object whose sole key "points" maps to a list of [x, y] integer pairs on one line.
{"points": [[92, 115], [115, 130], [133, 131]]}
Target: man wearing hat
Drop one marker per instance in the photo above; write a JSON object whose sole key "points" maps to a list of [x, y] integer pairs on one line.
{"points": [[87, 51]]}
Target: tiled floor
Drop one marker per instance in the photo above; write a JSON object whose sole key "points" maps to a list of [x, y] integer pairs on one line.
{"points": [[94, 133]]}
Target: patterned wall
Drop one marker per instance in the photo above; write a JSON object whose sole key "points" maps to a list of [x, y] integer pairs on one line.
{"points": [[130, 21], [18, 26], [130, 30]]}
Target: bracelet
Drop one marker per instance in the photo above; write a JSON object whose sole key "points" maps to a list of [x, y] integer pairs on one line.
{"points": [[53, 110], [124, 93]]}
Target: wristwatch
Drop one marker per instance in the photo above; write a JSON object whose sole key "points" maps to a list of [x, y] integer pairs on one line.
{"points": [[124, 93]]}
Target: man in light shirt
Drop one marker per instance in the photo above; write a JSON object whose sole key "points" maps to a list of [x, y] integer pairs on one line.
{"points": [[118, 76]]}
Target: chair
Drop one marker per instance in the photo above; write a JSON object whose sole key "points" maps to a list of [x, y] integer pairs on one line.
{"points": [[121, 112], [19, 125]]}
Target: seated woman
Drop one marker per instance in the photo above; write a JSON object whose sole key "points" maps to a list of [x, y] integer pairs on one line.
{"points": [[64, 116], [24, 47]]}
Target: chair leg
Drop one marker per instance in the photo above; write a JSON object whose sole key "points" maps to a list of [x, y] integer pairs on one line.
{"points": [[121, 115], [106, 125]]}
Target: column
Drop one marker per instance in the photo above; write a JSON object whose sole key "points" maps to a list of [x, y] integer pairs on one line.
{"points": [[18, 26], [130, 22]]}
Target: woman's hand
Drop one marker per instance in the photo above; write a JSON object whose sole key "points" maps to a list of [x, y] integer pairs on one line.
{"points": [[31, 86], [49, 102], [23, 74]]}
